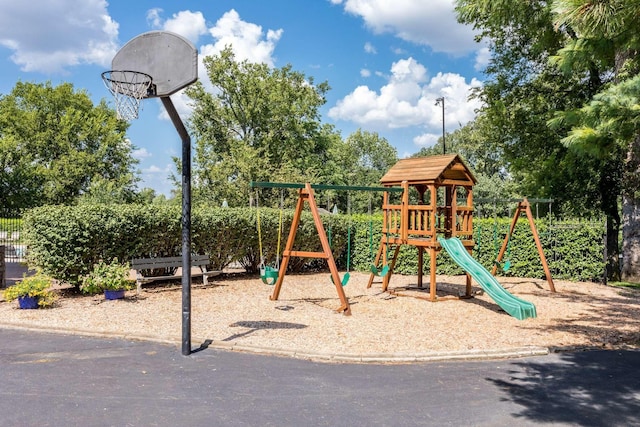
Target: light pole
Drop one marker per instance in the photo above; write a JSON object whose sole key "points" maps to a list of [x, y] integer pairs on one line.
{"points": [[440, 101]]}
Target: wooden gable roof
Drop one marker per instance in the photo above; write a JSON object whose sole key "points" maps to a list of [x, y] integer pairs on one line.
{"points": [[447, 169]]}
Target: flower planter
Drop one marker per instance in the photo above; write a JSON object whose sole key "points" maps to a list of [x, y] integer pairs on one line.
{"points": [[27, 302], [119, 294]]}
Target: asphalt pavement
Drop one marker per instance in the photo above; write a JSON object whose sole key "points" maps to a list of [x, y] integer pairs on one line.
{"points": [[50, 379]]}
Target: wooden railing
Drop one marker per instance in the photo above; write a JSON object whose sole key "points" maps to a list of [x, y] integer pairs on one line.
{"points": [[422, 221], [393, 219]]}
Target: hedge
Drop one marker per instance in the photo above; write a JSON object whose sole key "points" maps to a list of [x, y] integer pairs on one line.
{"points": [[573, 249], [65, 242]]}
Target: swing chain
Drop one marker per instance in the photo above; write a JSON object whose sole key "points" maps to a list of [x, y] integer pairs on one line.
{"points": [[258, 222]]}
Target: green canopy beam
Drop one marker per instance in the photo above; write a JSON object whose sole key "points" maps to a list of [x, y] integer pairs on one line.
{"points": [[255, 184]]}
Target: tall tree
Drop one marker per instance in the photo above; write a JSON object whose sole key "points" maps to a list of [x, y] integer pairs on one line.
{"points": [[54, 142], [605, 33], [483, 155], [523, 92], [258, 124], [361, 160]]}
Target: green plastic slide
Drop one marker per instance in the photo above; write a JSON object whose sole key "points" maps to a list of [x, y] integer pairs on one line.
{"points": [[518, 308]]}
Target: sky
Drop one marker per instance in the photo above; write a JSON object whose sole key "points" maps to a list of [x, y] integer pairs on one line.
{"points": [[386, 61]]}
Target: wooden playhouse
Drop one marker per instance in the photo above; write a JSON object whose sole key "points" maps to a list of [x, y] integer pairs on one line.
{"points": [[437, 201]]}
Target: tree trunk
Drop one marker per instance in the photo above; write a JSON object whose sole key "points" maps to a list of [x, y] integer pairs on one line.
{"points": [[613, 251], [631, 239], [610, 189], [631, 214]]}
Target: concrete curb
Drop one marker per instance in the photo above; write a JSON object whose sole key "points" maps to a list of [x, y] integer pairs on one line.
{"points": [[373, 358]]}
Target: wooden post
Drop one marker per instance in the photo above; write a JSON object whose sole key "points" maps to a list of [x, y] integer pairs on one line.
{"points": [[432, 274], [469, 225], [375, 262], [420, 265], [454, 211], [433, 190], [387, 278], [404, 218]]}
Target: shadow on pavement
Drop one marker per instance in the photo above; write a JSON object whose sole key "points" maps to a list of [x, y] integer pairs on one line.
{"points": [[580, 390]]}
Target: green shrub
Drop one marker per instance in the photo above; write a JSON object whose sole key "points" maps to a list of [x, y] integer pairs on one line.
{"points": [[113, 276], [36, 286], [66, 241], [573, 248]]}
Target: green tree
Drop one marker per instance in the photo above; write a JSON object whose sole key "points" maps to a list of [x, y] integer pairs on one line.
{"points": [[258, 124], [485, 158], [361, 160], [604, 32], [55, 144], [523, 92], [114, 191]]}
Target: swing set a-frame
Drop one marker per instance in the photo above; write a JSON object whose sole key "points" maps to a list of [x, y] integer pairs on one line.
{"points": [[307, 195], [524, 206]]}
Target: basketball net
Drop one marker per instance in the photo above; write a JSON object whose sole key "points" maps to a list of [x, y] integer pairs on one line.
{"points": [[128, 89]]}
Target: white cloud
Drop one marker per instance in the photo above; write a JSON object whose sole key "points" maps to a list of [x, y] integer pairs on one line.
{"points": [[247, 39], [59, 34], [141, 153], [190, 25], [369, 48], [181, 103], [408, 99], [153, 169], [483, 56], [431, 23], [398, 51], [157, 177], [153, 17], [365, 73], [426, 139]]}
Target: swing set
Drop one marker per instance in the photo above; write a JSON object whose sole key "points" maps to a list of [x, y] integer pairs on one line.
{"points": [[268, 274], [306, 195], [375, 271], [523, 207]]}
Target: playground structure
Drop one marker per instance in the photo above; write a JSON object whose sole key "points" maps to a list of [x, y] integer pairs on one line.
{"points": [[524, 206], [434, 212], [440, 216], [443, 206]]}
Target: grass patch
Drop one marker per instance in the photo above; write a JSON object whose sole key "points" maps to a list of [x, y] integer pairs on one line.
{"points": [[627, 285]]}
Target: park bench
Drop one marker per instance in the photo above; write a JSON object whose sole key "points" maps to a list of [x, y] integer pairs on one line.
{"points": [[147, 269]]}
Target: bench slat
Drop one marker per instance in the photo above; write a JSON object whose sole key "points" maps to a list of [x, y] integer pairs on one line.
{"points": [[140, 264], [167, 262]]}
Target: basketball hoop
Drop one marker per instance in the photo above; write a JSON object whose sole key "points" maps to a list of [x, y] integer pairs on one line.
{"points": [[128, 89]]}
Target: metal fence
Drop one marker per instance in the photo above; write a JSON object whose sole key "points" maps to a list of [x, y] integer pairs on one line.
{"points": [[11, 236]]}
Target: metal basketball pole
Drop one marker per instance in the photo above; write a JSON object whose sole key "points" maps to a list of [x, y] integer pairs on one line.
{"points": [[186, 223]]}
